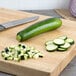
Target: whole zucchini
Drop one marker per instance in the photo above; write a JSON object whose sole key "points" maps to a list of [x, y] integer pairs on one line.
{"points": [[38, 28]]}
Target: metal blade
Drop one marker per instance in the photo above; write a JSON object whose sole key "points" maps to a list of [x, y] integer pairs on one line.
{"points": [[1, 27], [19, 22]]}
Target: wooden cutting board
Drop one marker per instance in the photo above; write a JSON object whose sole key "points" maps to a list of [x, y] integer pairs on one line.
{"points": [[65, 13], [52, 63]]}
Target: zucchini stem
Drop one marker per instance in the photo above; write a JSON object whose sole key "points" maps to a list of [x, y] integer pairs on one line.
{"points": [[18, 37]]}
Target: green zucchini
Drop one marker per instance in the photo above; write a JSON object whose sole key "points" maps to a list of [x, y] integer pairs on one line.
{"points": [[38, 28]]}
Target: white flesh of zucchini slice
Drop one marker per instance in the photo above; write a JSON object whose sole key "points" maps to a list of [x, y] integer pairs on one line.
{"points": [[59, 41]]}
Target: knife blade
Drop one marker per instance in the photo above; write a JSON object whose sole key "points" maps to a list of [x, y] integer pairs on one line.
{"points": [[17, 22]]}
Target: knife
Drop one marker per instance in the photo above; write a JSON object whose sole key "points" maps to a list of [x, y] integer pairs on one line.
{"points": [[17, 22]]}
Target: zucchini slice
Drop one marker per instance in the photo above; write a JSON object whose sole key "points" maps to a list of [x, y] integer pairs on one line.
{"points": [[69, 40], [59, 41], [49, 42], [63, 37], [65, 46], [61, 49], [51, 47]]}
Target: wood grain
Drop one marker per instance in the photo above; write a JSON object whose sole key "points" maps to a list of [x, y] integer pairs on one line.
{"points": [[52, 63]]}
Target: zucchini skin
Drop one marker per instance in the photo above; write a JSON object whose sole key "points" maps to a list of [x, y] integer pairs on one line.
{"points": [[38, 28]]}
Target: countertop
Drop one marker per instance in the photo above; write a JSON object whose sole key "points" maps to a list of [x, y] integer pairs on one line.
{"points": [[70, 70]]}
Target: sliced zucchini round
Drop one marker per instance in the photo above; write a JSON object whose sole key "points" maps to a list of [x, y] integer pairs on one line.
{"points": [[65, 46], [49, 42], [51, 47], [63, 37], [59, 41], [69, 40], [61, 49]]}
